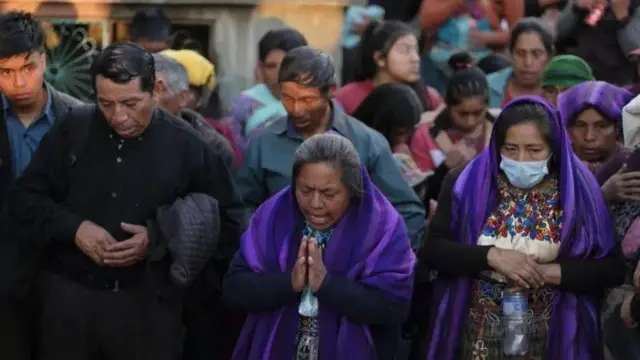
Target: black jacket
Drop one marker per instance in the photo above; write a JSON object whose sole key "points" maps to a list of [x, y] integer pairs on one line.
{"points": [[61, 103], [189, 230]]}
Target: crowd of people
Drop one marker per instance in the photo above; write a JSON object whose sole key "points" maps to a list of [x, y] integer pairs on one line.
{"points": [[313, 219]]}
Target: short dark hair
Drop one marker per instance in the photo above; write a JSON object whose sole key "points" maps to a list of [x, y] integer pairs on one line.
{"points": [[123, 62], [20, 33], [308, 67], [285, 39], [150, 24]]}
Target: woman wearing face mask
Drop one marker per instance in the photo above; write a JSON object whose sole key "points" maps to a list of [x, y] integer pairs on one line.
{"points": [[388, 54], [531, 48], [524, 214], [461, 131], [592, 114]]}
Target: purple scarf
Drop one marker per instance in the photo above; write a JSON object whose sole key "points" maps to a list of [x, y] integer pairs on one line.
{"points": [[587, 233], [369, 245], [606, 98]]}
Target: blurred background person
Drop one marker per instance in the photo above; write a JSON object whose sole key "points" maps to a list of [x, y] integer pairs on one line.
{"points": [[202, 82], [388, 54], [592, 114], [604, 33], [254, 106], [458, 133], [562, 73], [394, 111], [531, 48], [151, 29]]}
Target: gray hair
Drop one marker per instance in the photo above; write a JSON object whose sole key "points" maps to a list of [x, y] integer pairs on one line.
{"points": [[175, 74], [338, 152]]}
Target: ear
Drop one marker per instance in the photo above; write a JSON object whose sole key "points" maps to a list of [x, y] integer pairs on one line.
{"points": [[183, 97], [379, 59], [158, 90], [332, 91]]}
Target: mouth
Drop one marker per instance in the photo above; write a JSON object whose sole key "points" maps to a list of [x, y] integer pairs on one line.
{"points": [[318, 219], [24, 96]]}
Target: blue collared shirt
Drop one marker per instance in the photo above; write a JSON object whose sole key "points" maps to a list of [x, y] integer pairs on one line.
{"points": [[23, 141]]}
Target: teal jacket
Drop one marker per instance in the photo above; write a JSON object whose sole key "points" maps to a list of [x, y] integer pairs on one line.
{"points": [[269, 160], [497, 83]]}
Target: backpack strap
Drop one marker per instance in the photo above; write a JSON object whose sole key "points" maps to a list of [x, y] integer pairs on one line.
{"points": [[77, 125]]}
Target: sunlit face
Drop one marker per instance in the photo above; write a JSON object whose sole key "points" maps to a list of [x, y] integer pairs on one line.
{"points": [[593, 137], [22, 77], [166, 98], [402, 63], [321, 195], [551, 94], [127, 108], [270, 67], [524, 142], [306, 106], [529, 59], [469, 114]]}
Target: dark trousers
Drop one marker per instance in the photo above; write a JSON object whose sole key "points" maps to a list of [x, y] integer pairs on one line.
{"points": [[79, 323], [16, 329]]}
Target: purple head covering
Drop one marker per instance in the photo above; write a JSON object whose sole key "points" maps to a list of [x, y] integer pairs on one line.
{"points": [[606, 98], [369, 245], [587, 233]]}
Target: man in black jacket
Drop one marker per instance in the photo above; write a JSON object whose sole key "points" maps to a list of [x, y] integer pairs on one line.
{"points": [[88, 205], [29, 107]]}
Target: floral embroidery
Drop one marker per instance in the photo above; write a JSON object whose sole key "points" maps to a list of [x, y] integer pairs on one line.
{"points": [[532, 213], [480, 352], [321, 236]]}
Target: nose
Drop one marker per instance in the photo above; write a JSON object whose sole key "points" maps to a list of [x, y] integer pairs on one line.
{"points": [[528, 60], [298, 108], [522, 155], [19, 80], [119, 115], [415, 57], [316, 203], [590, 135]]}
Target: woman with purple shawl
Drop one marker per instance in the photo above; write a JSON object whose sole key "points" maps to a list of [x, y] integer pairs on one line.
{"points": [[592, 114], [526, 214], [325, 269]]}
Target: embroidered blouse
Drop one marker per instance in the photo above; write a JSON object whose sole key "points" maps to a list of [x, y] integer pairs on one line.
{"points": [[526, 220]]}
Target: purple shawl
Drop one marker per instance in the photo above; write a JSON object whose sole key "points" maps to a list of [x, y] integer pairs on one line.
{"points": [[369, 246], [587, 233], [606, 98]]}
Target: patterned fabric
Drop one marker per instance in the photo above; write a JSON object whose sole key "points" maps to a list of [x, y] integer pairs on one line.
{"points": [[410, 170], [308, 339], [529, 221], [482, 337]]}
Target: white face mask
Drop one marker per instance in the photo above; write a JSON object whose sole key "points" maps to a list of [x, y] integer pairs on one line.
{"points": [[524, 174]]}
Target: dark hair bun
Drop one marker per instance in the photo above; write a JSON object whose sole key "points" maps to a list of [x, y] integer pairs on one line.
{"points": [[460, 61]]}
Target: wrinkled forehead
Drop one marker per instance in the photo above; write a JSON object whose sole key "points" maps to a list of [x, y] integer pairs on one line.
{"points": [[109, 90]]}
